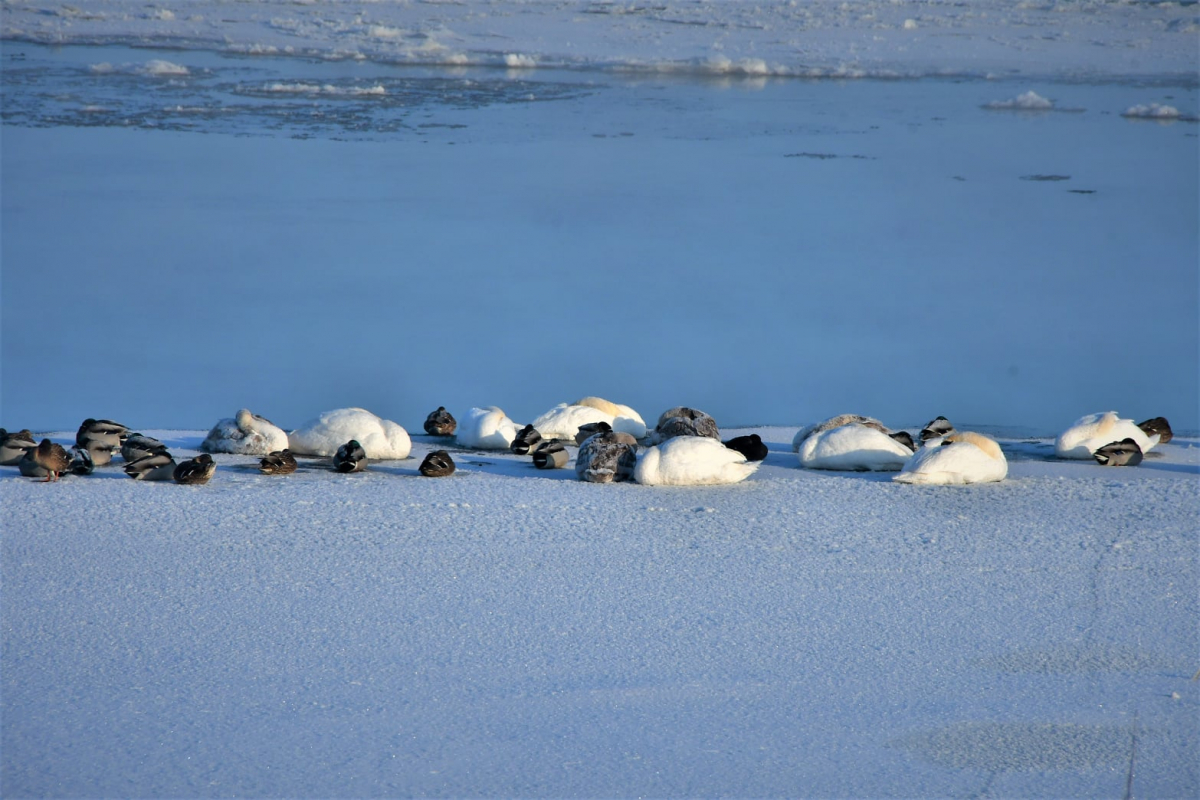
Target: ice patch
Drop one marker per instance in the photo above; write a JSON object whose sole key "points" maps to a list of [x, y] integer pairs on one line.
{"points": [[519, 61], [1152, 111], [312, 88], [160, 67], [1029, 101]]}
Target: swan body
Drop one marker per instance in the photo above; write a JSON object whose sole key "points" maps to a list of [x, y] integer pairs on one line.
{"points": [[487, 429], [565, 419], [195, 471], [322, 436], [856, 446], [245, 434], [14, 446], [692, 461], [440, 422], [624, 418], [152, 467], [606, 458], [350, 457], [960, 458], [1091, 432]]}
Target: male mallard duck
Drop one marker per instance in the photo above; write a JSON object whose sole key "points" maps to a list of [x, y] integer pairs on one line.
{"points": [[380, 438], [1125, 453], [81, 462], [157, 466], [527, 439], [692, 461], [852, 442], [350, 457], [51, 457], [751, 446], [137, 446], [1089, 433], [101, 431], [935, 429], [14, 446], [245, 434], [1157, 426], [550, 455], [438, 464], [589, 430], [684, 421], [964, 457], [440, 422], [195, 471], [281, 462], [606, 457]]}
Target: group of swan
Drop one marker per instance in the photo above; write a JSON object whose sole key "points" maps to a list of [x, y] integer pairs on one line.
{"points": [[683, 449]]}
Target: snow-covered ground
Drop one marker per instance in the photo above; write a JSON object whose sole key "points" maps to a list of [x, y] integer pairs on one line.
{"points": [[298, 206], [513, 632]]}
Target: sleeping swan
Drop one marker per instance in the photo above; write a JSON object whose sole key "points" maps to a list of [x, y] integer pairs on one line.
{"points": [[486, 429], [564, 420], [692, 461], [322, 436], [959, 458], [852, 442], [1091, 432], [246, 433]]}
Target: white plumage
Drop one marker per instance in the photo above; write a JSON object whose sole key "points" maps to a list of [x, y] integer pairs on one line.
{"points": [[1091, 432], [562, 421], [853, 446], [959, 458], [245, 433], [322, 436], [692, 461], [486, 429]]}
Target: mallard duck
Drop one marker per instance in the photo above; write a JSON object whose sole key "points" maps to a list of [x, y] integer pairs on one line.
{"points": [[550, 455], [750, 446], [51, 457], [101, 431], [323, 436], [157, 466], [1157, 427], [195, 471], [81, 462], [684, 421], [606, 457], [245, 434], [852, 442], [438, 464], [486, 429], [14, 446], [1093, 431], [692, 461], [440, 422], [960, 458], [1125, 453], [137, 446], [350, 457], [527, 439], [936, 428], [589, 430], [281, 462]]}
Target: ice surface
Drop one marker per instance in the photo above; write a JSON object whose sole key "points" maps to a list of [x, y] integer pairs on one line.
{"points": [[514, 632]]}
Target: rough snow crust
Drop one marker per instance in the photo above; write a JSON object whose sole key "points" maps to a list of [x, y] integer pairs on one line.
{"points": [[814, 38], [515, 632]]}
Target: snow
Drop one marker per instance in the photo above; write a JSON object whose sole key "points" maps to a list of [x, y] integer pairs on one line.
{"points": [[1028, 101], [516, 632]]}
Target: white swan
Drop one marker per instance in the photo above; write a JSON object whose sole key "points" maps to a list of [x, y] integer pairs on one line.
{"points": [[1093, 431], [322, 436], [692, 461], [246, 433], [959, 458], [850, 442], [563, 421], [486, 429]]}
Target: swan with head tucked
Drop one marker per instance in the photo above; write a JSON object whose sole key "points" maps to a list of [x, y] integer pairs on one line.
{"points": [[960, 458], [852, 442], [565, 419], [692, 461], [486, 429], [245, 434], [684, 421], [1093, 431], [322, 436]]}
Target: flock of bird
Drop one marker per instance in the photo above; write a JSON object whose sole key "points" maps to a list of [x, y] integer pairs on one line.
{"points": [[614, 444]]}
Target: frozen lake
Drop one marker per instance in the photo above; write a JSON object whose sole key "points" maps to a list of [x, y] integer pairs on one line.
{"points": [[213, 231]]}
